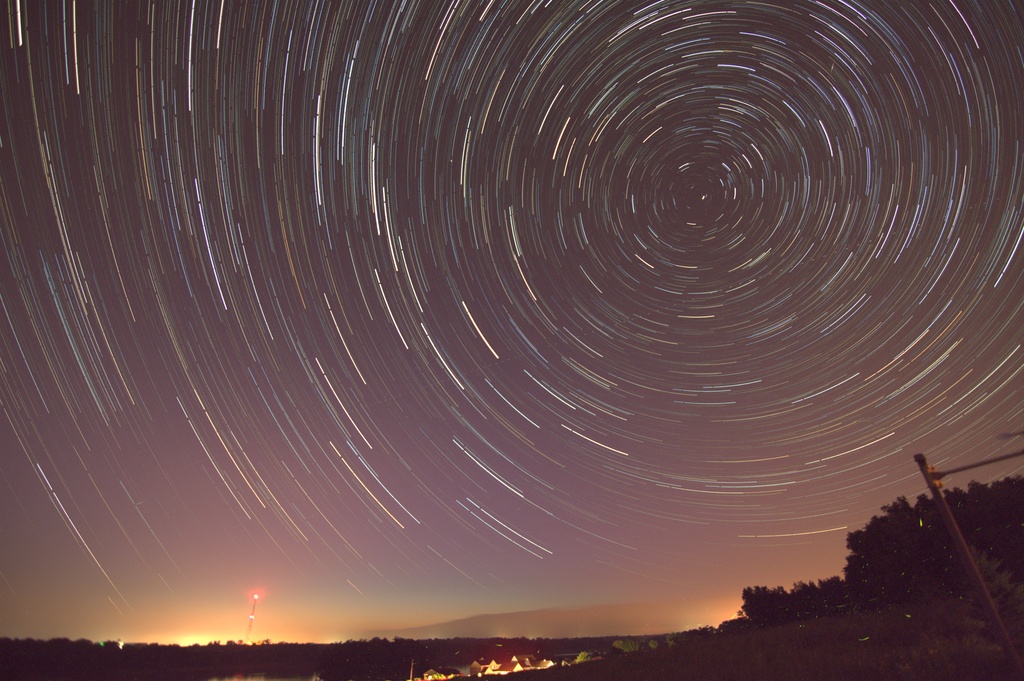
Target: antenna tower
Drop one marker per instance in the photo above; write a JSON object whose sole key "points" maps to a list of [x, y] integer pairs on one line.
{"points": [[252, 617]]}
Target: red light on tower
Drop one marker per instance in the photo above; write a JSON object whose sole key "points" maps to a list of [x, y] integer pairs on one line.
{"points": [[252, 617]]}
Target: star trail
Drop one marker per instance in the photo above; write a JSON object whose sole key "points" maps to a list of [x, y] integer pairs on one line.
{"points": [[401, 311]]}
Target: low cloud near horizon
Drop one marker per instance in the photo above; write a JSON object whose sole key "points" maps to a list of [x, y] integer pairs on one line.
{"points": [[627, 619]]}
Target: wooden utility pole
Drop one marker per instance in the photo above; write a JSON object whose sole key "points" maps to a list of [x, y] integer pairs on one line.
{"points": [[934, 480]]}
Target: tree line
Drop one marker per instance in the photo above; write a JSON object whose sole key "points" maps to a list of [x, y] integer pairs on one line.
{"points": [[905, 555]]}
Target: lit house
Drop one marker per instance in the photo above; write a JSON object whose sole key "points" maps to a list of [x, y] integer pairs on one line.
{"points": [[517, 663]]}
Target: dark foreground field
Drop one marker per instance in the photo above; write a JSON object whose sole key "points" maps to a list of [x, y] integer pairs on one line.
{"points": [[64, 660], [935, 642]]}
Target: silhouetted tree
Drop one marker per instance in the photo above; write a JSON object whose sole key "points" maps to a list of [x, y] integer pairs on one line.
{"points": [[740, 623], [834, 597], [626, 645], [767, 607], [884, 566], [906, 554], [991, 518]]}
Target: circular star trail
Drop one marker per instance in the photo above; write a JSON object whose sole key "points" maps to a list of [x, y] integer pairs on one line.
{"points": [[504, 300]]}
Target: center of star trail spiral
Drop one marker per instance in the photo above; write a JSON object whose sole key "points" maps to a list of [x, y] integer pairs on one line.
{"points": [[385, 282]]}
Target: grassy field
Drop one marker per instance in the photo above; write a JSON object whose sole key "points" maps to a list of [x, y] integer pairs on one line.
{"points": [[934, 642]]}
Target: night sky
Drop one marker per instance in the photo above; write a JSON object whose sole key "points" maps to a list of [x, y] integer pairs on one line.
{"points": [[398, 312]]}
